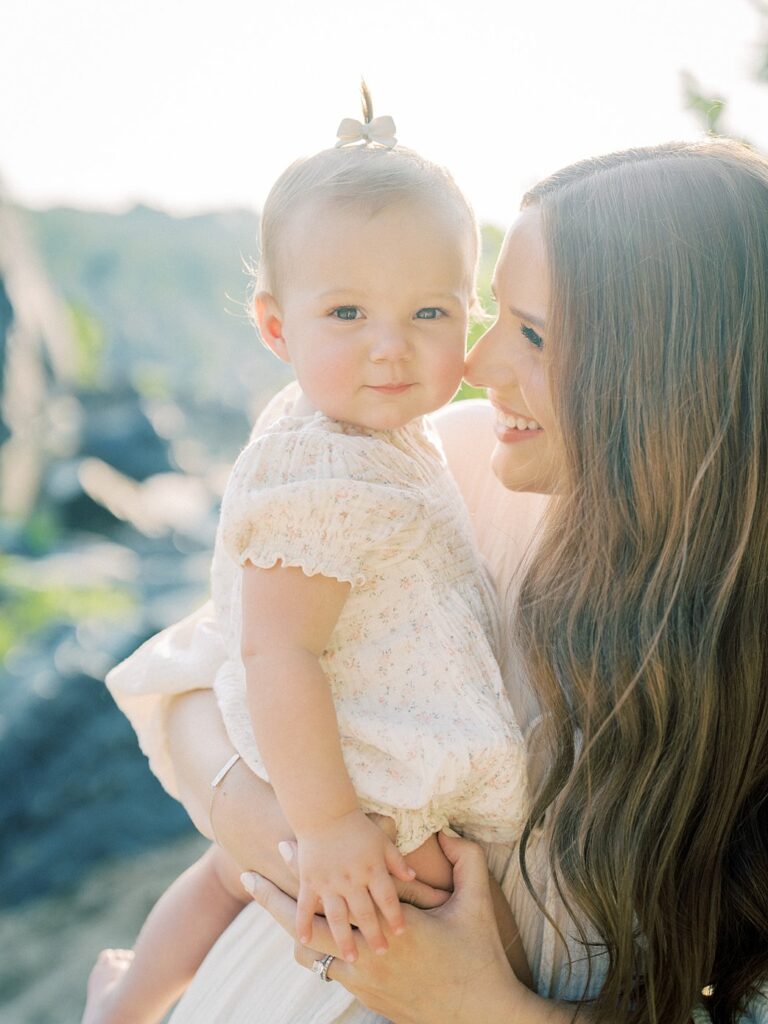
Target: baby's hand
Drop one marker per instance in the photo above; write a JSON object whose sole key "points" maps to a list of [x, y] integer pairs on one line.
{"points": [[347, 865]]}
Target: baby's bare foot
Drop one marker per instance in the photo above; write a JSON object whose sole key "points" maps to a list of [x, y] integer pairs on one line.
{"points": [[107, 973]]}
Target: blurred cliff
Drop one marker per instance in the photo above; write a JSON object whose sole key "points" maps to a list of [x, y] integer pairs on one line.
{"points": [[129, 375]]}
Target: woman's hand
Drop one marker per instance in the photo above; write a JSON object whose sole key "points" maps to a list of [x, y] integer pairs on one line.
{"points": [[448, 965]]}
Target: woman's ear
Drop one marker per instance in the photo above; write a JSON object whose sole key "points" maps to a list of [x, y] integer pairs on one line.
{"points": [[270, 323]]}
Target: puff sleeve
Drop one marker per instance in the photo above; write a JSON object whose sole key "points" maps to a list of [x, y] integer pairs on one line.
{"points": [[318, 500]]}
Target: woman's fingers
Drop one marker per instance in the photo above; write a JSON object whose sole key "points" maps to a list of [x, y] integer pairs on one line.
{"points": [[305, 957], [283, 909], [421, 895], [274, 900], [337, 915], [289, 851], [470, 870]]}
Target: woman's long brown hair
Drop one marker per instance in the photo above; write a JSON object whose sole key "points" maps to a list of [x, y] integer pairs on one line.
{"points": [[643, 616]]}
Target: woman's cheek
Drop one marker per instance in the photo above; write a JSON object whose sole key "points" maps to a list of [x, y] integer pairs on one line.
{"points": [[534, 386]]}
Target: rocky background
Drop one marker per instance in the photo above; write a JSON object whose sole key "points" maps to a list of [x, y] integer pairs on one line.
{"points": [[129, 375]]}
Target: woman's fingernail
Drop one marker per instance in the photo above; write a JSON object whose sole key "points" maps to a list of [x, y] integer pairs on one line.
{"points": [[285, 849], [250, 881]]}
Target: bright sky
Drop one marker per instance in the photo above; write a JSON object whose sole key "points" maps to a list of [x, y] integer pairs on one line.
{"points": [[192, 105]]}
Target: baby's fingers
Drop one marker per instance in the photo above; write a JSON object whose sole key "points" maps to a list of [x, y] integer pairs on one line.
{"points": [[396, 865], [337, 915], [306, 908], [367, 920], [384, 894]]}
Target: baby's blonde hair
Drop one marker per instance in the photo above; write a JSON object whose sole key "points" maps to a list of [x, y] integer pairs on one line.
{"points": [[367, 176]]}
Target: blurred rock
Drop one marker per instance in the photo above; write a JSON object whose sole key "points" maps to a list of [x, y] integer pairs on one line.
{"points": [[37, 363], [125, 390], [75, 790], [75, 787], [116, 430]]}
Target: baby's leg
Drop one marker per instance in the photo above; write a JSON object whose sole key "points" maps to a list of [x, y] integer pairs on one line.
{"points": [[433, 867], [183, 925]]}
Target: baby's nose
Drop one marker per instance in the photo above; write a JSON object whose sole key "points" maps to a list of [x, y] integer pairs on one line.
{"points": [[390, 343]]}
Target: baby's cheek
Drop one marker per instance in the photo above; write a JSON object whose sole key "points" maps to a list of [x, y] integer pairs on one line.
{"points": [[451, 375], [332, 375]]}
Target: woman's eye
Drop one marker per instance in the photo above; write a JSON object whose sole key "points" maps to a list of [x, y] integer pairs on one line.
{"points": [[346, 313], [429, 313], [532, 336]]}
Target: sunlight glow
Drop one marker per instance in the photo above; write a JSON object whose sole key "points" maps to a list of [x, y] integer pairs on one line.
{"points": [[197, 105]]}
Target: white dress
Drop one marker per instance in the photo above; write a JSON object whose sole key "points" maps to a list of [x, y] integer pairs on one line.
{"points": [[428, 733], [250, 974]]}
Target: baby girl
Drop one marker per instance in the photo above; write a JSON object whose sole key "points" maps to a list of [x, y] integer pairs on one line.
{"points": [[358, 623]]}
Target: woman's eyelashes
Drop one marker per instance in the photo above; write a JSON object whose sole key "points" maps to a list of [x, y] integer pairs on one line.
{"points": [[533, 336]]}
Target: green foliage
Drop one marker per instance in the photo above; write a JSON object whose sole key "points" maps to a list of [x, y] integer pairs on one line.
{"points": [[89, 345], [709, 109], [41, 530], [491, 241], [29, 609]]}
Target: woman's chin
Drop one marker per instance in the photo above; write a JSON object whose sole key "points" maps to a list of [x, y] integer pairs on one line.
{"points": [[517, 471]]}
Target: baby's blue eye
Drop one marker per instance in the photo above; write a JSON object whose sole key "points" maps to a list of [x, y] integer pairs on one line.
{"points": [[532, 336], [429, 313], [346, 312]]}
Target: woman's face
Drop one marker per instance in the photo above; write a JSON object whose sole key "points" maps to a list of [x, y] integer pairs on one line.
{"points": [[510, 360]]}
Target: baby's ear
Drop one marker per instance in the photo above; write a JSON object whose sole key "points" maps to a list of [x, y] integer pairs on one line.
{"points": [[270, 324]]}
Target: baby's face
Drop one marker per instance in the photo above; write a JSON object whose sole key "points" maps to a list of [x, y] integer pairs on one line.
{"points": [[374, 308]]}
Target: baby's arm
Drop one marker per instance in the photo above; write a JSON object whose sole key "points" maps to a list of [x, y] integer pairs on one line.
{"points": [[178, 933], [345, 861]]}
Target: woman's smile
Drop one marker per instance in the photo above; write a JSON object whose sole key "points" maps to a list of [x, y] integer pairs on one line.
{"points": [[512, 426]]}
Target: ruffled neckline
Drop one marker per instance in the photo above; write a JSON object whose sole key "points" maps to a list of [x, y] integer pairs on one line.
{"points": [[417, 438]]}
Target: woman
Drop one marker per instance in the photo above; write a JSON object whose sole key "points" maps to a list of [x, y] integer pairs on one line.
{"points": [[632, 345]]}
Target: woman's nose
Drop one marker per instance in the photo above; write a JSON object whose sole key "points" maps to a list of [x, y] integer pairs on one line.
{"points": [[485, 365]]}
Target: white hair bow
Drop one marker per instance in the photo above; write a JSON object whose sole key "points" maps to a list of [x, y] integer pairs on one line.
{"points": [[380, 131]]}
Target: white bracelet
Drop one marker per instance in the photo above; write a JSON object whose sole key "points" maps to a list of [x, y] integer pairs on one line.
{"points": [[215, 783]]}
